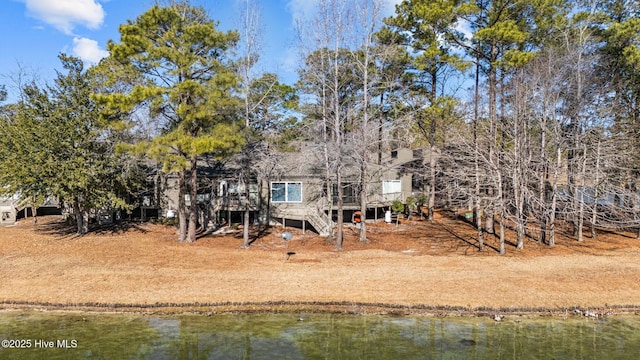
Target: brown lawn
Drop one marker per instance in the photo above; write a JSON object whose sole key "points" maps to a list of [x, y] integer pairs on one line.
{"points": [[415, 267]]}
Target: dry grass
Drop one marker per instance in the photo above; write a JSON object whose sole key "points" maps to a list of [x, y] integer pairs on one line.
{"points": [[433, 267]]}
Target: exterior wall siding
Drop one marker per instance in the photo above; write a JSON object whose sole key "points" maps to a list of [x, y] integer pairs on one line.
{"points": [[313, 195], [7, 214]]}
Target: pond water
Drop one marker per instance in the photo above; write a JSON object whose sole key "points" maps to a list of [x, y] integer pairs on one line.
{"points": [[33, 335]]}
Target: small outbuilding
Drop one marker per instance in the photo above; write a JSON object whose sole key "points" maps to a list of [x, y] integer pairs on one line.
{"points": [[8, 211]]}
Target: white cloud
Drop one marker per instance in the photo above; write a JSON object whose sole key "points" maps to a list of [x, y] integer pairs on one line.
{"points": [[300, 9], [88, 50], [64, 15]]}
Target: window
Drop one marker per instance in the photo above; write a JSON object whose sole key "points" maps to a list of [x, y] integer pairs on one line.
{"points": [[254, 194], [235, 191], [391, 186], [223, 188], [391, 190], [286, 192], [236, 188], [203, 198], [349, 194], [200, 199], [146, 200]]}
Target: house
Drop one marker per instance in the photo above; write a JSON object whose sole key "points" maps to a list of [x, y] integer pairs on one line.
{"points": [[12, 209], [291, 189], [7, 210]]}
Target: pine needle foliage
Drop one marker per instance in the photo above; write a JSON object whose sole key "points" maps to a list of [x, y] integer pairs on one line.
{"points": [[185, 80]]}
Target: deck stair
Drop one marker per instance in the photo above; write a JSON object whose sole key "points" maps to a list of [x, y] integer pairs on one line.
{"points": [[316, 217]]}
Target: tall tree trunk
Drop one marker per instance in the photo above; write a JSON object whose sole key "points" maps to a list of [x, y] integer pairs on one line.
{"points": [[265, 219], [500, 154], [554, 198], [594, 214], [82, 218], [34, 211], [432, 146], [542, 199], [245, 228], [85, 220], [246, 220], [576, 128], [432, 186], [520, 218], [582, 186], [193, 205], [338, 170], [364, 147], [635, 200], [251, 39], [501, 214], [518, 171], [246, 159], [78, 216], [571, 168], [518, 197], [493, 138], [476, 145], [182, 206], [380, 128], [327, 163], [363, 204], [340, 222], [337, 128]]}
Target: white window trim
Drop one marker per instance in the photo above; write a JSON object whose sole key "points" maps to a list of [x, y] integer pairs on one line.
{"points": [[388, 195], [286, 185], [394, 182]]}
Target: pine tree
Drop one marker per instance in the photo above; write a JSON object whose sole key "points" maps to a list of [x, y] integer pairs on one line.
{"points": [[425, 26], [3, 93], [179, 56], [55, 144]]}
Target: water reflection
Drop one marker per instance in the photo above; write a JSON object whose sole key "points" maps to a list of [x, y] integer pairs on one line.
{"points": [[292, 336]]}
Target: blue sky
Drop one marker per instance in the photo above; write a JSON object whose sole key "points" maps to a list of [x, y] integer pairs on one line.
{"points": [[34, 32]]}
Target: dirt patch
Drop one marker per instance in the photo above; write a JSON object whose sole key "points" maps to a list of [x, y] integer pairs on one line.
{"points": [[415, 267]]}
